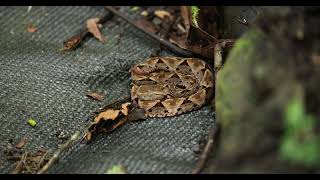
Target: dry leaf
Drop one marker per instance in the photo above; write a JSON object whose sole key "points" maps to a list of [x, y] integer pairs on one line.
{"points": [[31, 28], [162, 14], [95, 96], [93, 28], [147, 25], [125, 109], [21, 144], [72, 43], [108, 121], [109, 114]]}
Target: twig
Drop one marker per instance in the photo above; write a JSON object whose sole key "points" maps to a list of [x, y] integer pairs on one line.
{"points": [[205, 154], [56, 155], [217, 56], [162, 41], [42, 159], [19, 166], [78, 38]]}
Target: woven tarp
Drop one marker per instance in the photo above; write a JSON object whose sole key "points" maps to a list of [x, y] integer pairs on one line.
{"points": [[39, 82]]}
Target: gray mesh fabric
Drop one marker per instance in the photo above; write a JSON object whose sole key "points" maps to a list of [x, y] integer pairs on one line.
{"points": [[37, 81]]}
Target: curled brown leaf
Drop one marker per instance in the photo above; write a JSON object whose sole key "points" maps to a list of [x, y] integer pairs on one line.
{"points": [[72, 43], [94, 28], [31, 28], [108, 114], [21, 143], [125, 108]]}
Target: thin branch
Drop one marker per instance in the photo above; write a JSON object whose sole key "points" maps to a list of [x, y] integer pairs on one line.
{"points": [[56, 155], [162, 41], [207, 150], [19, 166], [74, 41], [217, 56]]}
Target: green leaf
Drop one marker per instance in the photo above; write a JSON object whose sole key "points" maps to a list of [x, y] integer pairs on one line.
{"points": [[300, 143], [32, 122], [195, 12]]}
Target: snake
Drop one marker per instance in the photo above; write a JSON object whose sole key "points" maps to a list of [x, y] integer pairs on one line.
{"points": [[170, 86]]}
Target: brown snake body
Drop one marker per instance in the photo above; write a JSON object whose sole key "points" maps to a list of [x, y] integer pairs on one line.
{"points": [[169, 86]]}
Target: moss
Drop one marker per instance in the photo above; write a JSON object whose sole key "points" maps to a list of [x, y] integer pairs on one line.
{"points": [[300, 143], [233, 77]]}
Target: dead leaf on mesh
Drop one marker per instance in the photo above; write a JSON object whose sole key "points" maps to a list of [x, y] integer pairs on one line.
{"points": [[147, 25], [21, 144], [31, 28], [95, 96], [162, 14], [72, 43], [107, 121], [125, 109], [94, 28], [108, 114]]}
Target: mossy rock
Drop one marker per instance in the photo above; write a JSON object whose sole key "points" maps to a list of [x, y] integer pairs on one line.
{"points": [[265, 76]]}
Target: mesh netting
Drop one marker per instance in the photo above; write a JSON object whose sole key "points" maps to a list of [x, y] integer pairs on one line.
{"points": [[39, 82]]}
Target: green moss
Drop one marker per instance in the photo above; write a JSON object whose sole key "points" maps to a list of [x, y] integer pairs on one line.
{"points": [[233, 76], [300, 144]]}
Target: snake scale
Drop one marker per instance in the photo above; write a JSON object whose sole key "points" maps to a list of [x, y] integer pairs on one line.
{"points": [[169, 86]]}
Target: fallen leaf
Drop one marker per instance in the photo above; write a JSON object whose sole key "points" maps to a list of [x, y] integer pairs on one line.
{"points": [[93, 28], [95, 96], [142, 23], [32, 122], [108, 114], [21, 144], [125, 109], [107, 121], [162, 14], [31, 28], [72, 43]]}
